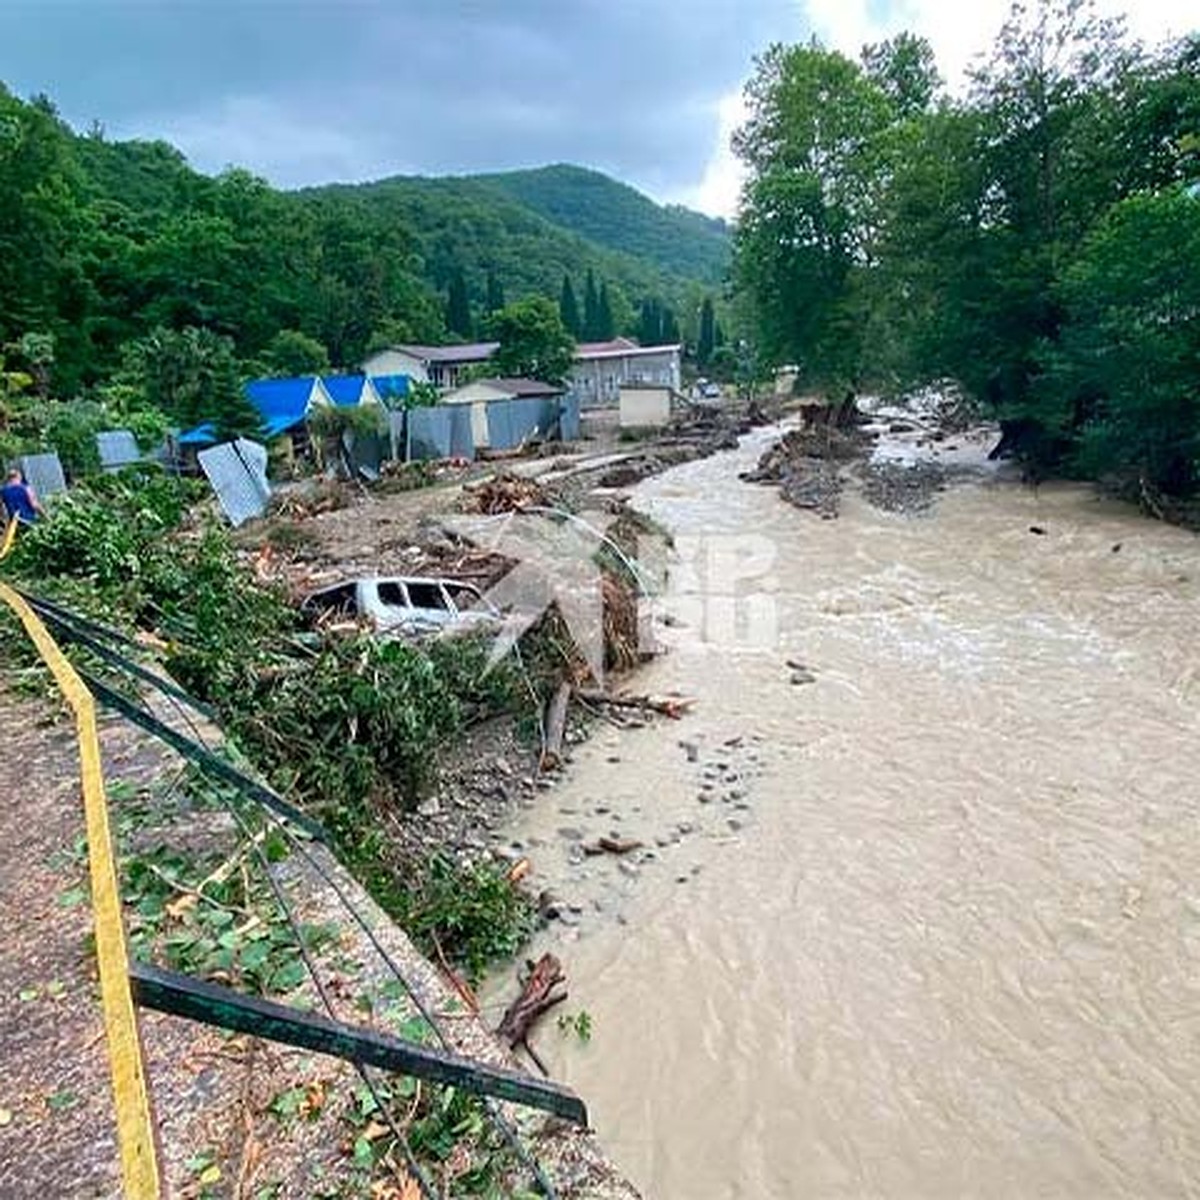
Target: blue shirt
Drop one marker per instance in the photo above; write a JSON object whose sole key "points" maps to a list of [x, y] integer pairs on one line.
{"points": [[16, 500]]}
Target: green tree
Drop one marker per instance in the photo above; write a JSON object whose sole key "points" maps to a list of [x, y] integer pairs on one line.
{"points": [[192, 376], [534, 342], [906, 71], [458, 306], [605, 324], [568, 308], [650, 323], [1124, 373], [495, 293], [706, 340], [291, 352], [591, 310], [812, 144]]}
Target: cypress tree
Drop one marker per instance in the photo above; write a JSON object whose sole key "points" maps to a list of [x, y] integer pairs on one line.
{"points": [[591, 309], [706, 341], [458, 305], [568, 308], [605, 326], [495, 293], [650, 323], [670, 326]]}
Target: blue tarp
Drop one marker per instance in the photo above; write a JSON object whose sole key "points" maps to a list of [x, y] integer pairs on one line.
{"points": [[202, 435], [391, 389], [282, 403], [344, 390]]}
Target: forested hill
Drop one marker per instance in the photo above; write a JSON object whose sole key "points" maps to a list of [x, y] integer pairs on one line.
{"points": [[479, 225], [105, 244], [612, 214]]}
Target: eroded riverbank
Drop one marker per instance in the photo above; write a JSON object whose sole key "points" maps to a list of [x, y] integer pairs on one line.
{"points": [[944, 938]]}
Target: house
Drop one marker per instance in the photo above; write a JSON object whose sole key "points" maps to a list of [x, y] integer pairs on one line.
{"points": [[443, 366], [392, 390], [284, 403], [349, 391], [482, 392], [599, 370], [602, 368]]}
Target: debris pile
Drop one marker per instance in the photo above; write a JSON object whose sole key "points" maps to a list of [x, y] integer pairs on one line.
{"points": [[504, 492], [903, 487]]}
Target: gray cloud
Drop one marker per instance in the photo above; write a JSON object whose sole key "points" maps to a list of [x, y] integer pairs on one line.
{"points": [[308, 92]]}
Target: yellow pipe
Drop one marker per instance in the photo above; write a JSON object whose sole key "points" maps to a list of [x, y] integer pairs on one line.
{"points": [[139, 1154], [10, 536]]}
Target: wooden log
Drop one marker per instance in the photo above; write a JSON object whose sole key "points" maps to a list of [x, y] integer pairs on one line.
{"points": [[556, 724], [669, 707], [540, 992], [612, 845]]}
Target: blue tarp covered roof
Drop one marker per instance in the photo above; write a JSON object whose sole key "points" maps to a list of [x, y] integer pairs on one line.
{"points": [[344, 390], [390, 388], [281, 403], [202, 435]]}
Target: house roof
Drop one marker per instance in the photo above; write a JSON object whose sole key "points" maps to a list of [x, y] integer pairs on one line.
{"points": [[201, 435], [390, 387], [344, 390], [618, 348], [469, 352], [281, 403], [523, 387]]}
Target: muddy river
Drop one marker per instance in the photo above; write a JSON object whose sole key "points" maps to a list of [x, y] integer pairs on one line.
{"points": [[918, 915]]}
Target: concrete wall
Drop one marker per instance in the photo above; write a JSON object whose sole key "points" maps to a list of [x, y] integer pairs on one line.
{"points": [[645, 407]]}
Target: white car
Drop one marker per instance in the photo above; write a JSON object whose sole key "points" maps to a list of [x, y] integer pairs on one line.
{"points": [[406, 605]]}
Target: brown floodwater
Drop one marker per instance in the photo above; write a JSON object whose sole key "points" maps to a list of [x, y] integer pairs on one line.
{"points": [[931, 928]]}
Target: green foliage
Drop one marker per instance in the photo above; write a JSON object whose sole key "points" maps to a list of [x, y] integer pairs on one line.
{"points": [[291, 352], [568, 308], [614, 215], [474, 914], [533, 341], [458, 305], [890, 238]]}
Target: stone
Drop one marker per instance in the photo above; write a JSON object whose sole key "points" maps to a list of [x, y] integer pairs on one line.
{"points": [[734, 824], [627, 868], [571, 833], [691, 750], [802, 677]]}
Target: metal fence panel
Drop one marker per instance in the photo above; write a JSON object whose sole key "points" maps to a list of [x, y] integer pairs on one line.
{"points": [[462, 436], [43, 473], [568, 418], [237, 472], [511, 422], [118, 448], [429, 432]]}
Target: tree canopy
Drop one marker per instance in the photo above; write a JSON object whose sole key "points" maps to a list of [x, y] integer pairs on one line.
{"points": [[1025, 240]]}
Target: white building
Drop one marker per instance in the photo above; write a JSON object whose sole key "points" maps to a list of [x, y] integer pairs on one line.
{"points": [[443, 366], [602, 368]]}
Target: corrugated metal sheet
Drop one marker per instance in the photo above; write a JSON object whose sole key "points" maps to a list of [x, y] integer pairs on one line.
{"points": [[511, 422], [429, 432], [43, 473], [568, 418], [237, 472], [118, 448], [462, 437]]}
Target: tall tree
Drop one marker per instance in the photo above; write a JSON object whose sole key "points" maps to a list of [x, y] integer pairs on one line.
{"points": [[292, 353], [534, 342], [605, 325], [458, 305], [812, 145], [568, 308], [591, 309], [495, 292], [706, 339], [905, 70]]}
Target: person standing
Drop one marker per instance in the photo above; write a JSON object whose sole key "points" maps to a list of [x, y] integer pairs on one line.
{"points": [[20, 500]]}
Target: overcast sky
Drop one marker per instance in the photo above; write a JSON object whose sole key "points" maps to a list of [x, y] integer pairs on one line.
{"points": [[321, 90]]}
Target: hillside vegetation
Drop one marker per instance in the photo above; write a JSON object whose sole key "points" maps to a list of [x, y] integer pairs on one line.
{"points": [[104, 245]]}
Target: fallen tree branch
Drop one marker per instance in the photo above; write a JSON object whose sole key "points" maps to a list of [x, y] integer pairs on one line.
{"points": [[673, 708], [539, 993], [612, 845], [556, 724]]}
